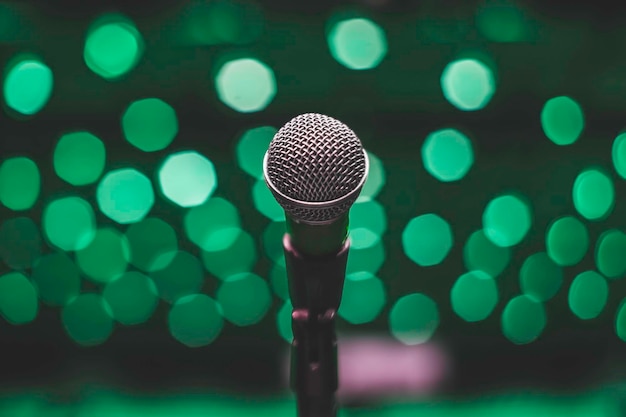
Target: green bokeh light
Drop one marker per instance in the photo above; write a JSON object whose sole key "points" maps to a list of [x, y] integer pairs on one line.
{"points": [[112, 47], [468, 84], [481, 254], [610, 250], [283, 322], [279, 281], [413, 319], [588, 295], [245, 298], [363, 238], [523, 320], [87, 320], [20, 243], [357, 44], [620, 321], [506, 220], [150, 124], [593, 194], [187, 178], [20, 183], [376, 178], [24, 404], [502, 22], [237, 258], [618, 153], [69, 223], [567, 241], [132, 298], [251, 148], [18, 299], [150, 240], [213, 226], [125, 195], [364, 255], [447, 155], [273, 242], [104, 403], [246, 85], [368, 214], [195, 320], [79, 158], [266, 203], [562, 120], [181, 277], [474, 295], [427, 239], [106, 257], [540, 277], [363, 298], [28, 86], [57, 279]]}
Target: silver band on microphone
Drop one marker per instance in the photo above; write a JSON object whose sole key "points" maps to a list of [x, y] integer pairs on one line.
{"points": [[315, 212]]}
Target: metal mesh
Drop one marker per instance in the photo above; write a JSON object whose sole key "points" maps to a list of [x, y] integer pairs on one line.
{"points": [[316, 215], [315, 158]]}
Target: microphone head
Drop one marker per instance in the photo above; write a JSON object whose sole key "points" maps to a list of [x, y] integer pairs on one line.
{"points": [[315, 167]]}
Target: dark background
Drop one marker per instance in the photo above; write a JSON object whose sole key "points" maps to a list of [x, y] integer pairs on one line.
{"points": [[576, 49]]}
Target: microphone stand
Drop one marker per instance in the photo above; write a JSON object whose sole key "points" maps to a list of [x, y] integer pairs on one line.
{"points": [[315, 287]]}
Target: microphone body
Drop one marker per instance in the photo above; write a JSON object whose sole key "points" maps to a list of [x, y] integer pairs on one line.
{"points": [[318, 240], [315, 288], [315, 167]]}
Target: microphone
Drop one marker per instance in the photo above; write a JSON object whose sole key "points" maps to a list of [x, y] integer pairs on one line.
{"points": [[315, 167]]}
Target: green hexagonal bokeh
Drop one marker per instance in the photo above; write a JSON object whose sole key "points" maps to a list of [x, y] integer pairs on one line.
{"points": [[150, 124], [246, 85], [468, 84], [357, 44], [251, 148], [125, 195], [113, 47], [187, 178], [427, 239], [79, 158], [28, 86], [20, 183]]}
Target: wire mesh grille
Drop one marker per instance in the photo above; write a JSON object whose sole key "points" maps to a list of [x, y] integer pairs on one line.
{"points": [[315, 158]]}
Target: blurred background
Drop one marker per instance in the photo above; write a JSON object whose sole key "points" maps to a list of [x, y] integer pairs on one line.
{"points": [[142, 269]]}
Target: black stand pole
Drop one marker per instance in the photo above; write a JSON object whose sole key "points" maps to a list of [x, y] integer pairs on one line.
{"points": [[315, 287]]}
